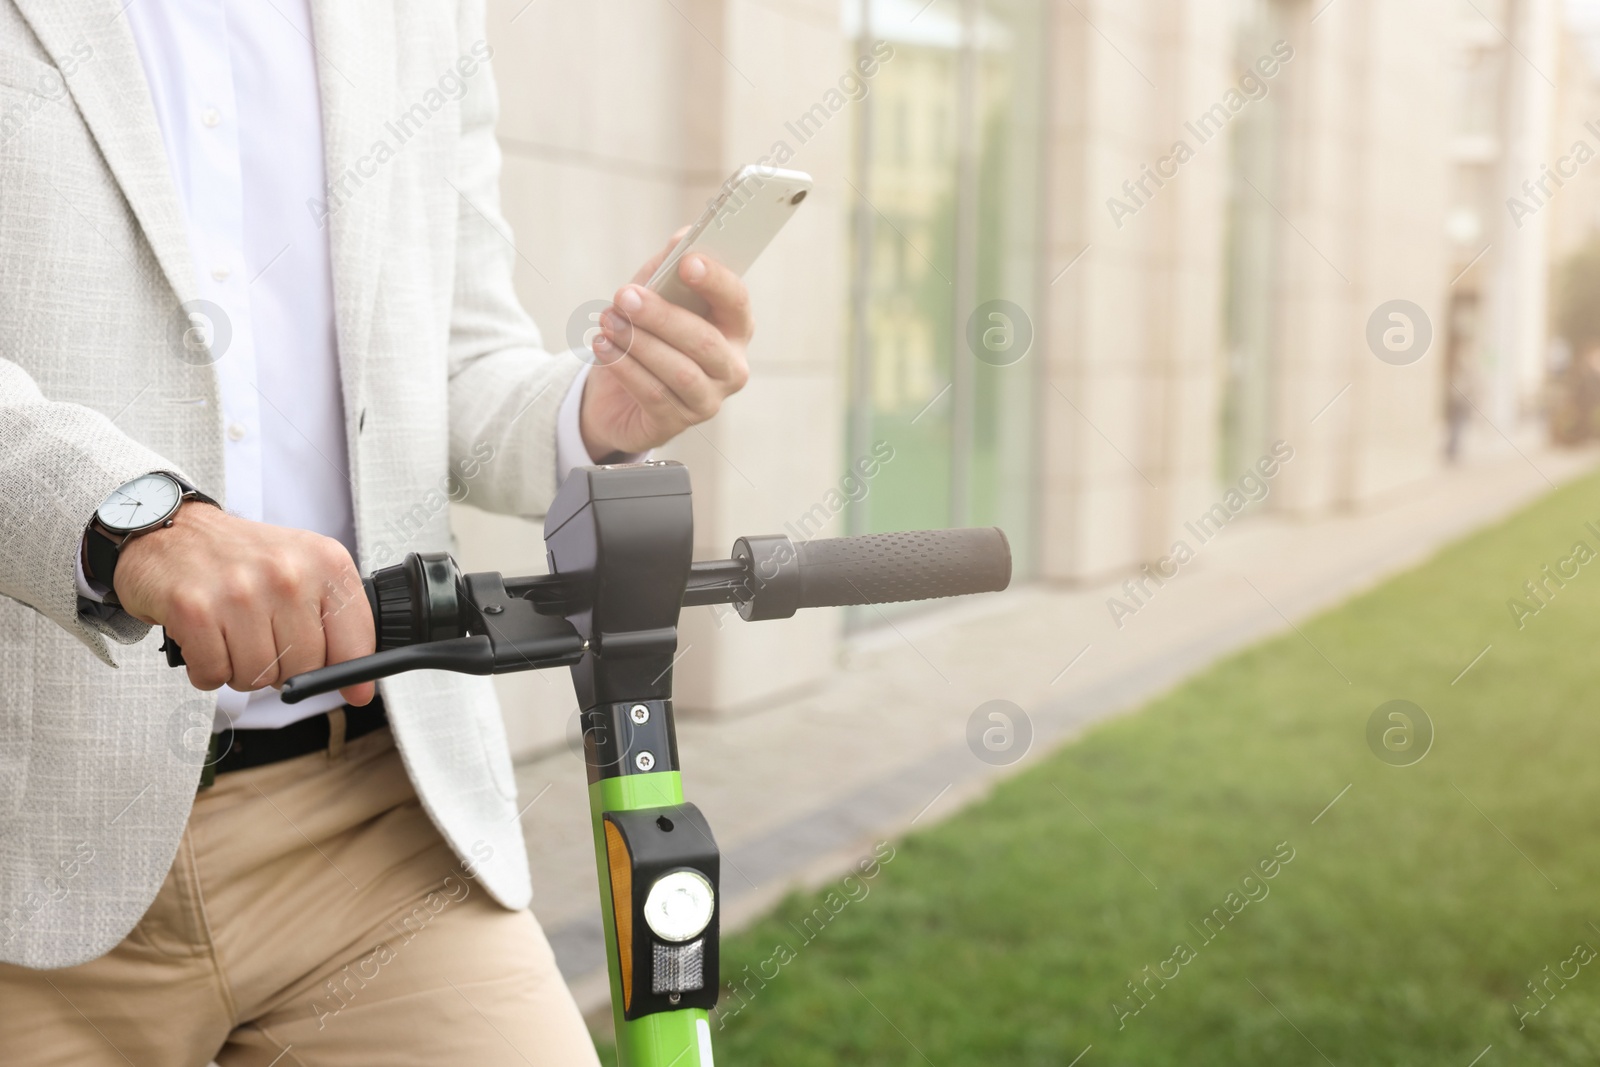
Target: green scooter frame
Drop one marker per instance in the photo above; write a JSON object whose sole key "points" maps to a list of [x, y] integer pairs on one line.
{"points": [[619, 540], [671, 1037]]}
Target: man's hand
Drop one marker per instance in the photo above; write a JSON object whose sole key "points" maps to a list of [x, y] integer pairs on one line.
{"points": [[250, 604], [660, 368]]}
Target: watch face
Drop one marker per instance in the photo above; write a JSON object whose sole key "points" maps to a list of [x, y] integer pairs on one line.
{"points": [[145, 501]]}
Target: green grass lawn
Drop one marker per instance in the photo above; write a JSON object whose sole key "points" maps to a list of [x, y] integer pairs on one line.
{"points": [[1405, 930]]}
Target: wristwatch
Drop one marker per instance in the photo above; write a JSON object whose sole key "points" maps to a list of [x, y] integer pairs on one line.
{"points": [[146, 503]]}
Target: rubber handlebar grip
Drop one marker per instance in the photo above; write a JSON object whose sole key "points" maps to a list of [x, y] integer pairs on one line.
{"points": [[892, 567]]}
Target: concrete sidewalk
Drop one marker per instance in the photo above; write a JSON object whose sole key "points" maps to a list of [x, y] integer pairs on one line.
{"points": [[797, 791]]}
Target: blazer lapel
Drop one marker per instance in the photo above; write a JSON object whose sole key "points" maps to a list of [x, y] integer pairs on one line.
{"points": [[355, 67], [112, 95]]}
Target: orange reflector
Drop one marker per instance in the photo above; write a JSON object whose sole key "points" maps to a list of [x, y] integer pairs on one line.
{"points": [[621, 906]]}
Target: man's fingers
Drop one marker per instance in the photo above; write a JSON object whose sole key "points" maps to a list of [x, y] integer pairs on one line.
{"points": [[205, 654], [348, 631], [724, 290], [683, 377], [655, 400], [251, 604], [643, 274], [301, 645], [638, 308], [252, 650]]}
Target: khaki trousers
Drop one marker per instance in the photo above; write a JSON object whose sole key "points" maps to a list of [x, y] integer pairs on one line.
{"points": [[313, 917]]}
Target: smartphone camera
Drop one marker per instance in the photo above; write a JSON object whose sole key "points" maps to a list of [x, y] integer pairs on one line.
{"points": [[797, 197]]}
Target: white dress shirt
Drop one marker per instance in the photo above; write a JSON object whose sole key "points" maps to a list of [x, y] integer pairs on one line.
{"points": [[236, 95]]}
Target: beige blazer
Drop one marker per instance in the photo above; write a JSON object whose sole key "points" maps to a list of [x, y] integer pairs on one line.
{"points": [[440, 366]]}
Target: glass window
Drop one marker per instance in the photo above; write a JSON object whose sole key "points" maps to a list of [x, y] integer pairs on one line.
{"points": [[946, 216], [1251, 277]]}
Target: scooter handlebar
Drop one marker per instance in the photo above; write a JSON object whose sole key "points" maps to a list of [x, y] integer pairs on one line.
{"points": [[769, 577]]}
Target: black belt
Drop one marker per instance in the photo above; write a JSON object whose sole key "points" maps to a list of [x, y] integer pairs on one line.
{"points": [[239, 750]]}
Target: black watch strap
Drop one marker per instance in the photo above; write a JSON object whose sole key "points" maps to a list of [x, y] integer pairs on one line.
{"points": [[100, 553]]}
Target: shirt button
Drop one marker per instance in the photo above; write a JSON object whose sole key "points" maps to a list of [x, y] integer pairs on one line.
{"points": [[211, 116], [236, 431], [220, 273]]}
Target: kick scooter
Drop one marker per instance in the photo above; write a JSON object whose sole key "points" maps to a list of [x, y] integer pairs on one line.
{"points": [[620, 545]]}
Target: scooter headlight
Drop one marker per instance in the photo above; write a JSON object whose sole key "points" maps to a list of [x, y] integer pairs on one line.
{"points": [[679, 906]]}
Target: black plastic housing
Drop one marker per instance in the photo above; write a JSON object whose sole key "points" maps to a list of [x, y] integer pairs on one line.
{"points": [[655, 850], [416, 600], [621, 539]]}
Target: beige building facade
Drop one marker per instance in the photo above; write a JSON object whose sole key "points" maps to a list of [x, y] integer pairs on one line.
{"points": [[1075, 269]]}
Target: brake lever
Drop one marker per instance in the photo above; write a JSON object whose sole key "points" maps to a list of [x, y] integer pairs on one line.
{"points": [[554, 644], [463, 655]]}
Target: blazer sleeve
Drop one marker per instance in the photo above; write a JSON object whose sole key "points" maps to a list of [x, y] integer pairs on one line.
{"points": [[506, 390], [57, 463]]}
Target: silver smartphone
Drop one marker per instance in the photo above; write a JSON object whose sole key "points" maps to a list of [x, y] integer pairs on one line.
{"points": [[734, 228]]}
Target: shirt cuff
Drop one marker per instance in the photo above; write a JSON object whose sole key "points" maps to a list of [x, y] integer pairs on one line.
{"points": [[570, 449]]}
